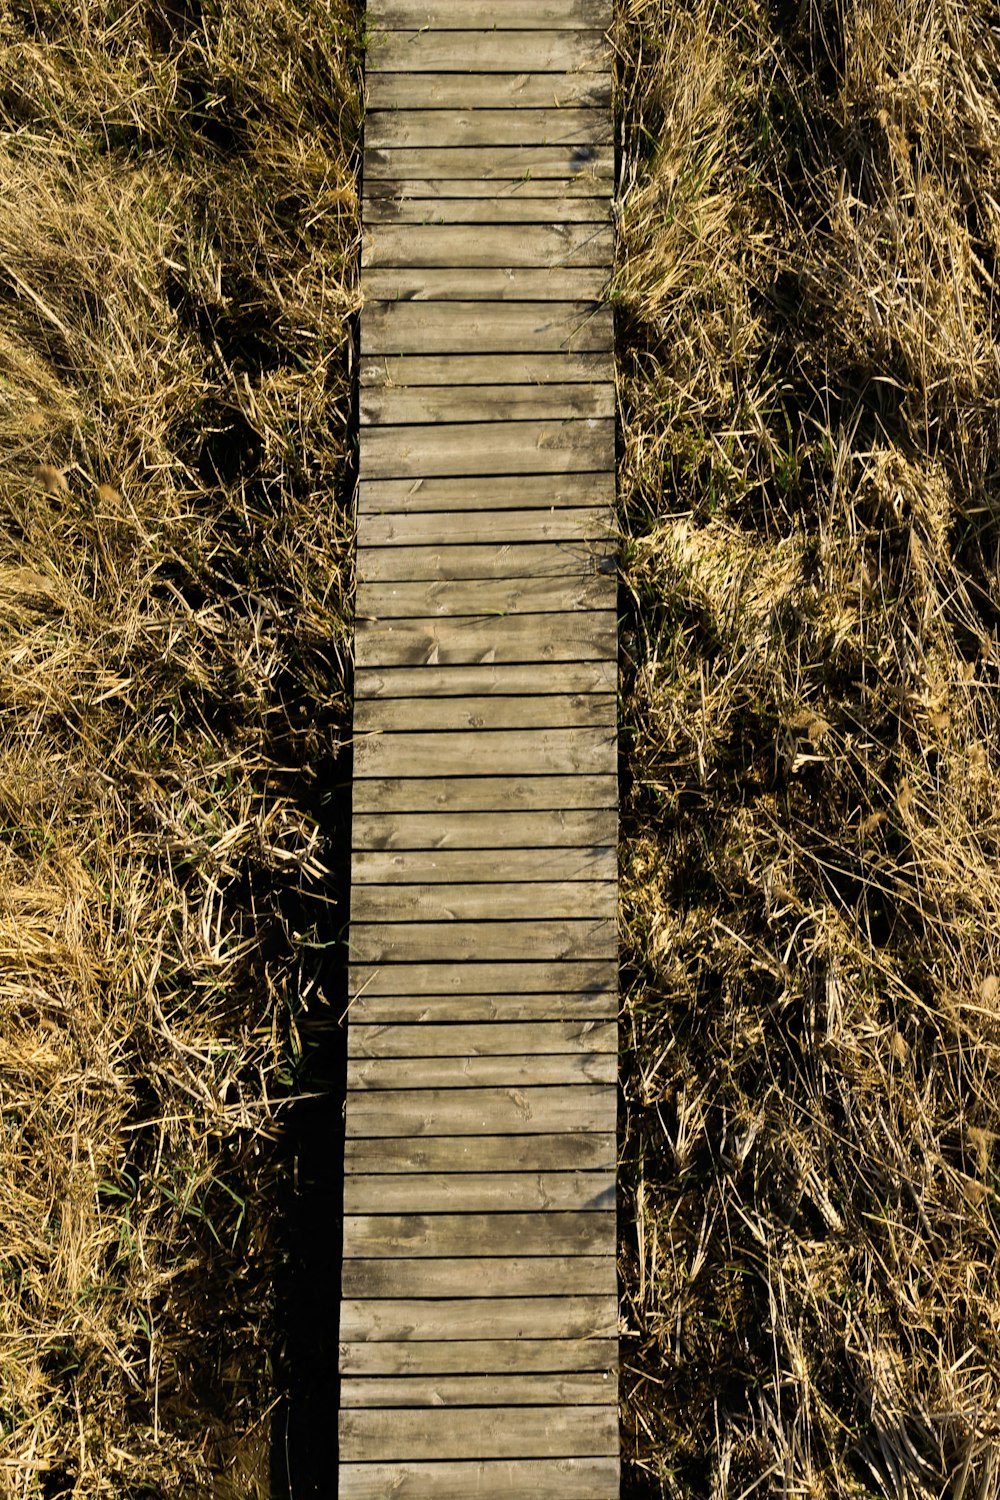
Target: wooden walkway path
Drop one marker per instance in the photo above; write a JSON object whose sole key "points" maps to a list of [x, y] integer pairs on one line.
{"points": [[479, 1313]]}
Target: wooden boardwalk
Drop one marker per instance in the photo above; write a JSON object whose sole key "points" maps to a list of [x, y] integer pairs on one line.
{"points": [[479, 1313]]}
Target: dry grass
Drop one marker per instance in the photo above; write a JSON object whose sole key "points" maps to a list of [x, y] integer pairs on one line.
{"points": [[810, 383], [178, 222]]}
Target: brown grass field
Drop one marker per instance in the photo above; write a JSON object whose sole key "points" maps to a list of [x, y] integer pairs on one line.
{"points": [[809, 381]]}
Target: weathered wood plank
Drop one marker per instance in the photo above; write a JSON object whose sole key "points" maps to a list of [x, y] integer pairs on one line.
{"points": [[486, 1479], [503, 210], [486, 679], [517, 1276], [399, 1319], [487, 51], [564, 1152], [498, 559], [463, 15], [590, 167], [460, 640], [478, 1432], [511, 368], [491, 188], [486, 328], [547, 1071], [421, 942], [402, 405], [536, 831], [489, 752], [470, 1192], [512, 90], [569, 711], [480, 1390], [488, 979], [446, 1236], [389, 128], [554, 447], [481, 1357], [483, 902], [483, 793], [499, 284], [485, 1111], [588, 490], [454, 866], [499, 596], [470, 528], [529, 1008], [546, 246]]}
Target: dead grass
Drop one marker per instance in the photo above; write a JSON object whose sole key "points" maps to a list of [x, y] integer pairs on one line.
{"points": [[178, 222], [810, 386]]}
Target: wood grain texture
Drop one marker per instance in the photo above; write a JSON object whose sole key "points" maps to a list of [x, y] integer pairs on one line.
{"points": [[486, 328], [470, 1192], [512, 209], [483, 284], [488, 51], [471, 368], [480, 1390], [461, 640], [517, 1276], [547, 246], [499, 1479], [489, 447], [441, 1236], [587, 1151], [562, 711], [548, 168], [502, 793], [488, 979], [480, 1356], [458, 597], [483, 901], [416, 942], [459, 866], [501, 832], [572, 1005], [400, 405], [485, 1111], [587, 490], [486, 679], [500, 558], [511, 90], [534, 1071], [471, 528], [478, 1432], [462, 15], [487, 127]]}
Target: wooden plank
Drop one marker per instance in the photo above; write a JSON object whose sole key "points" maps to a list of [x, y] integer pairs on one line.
{"points": [[480, 1390], [461, 528], [498, 447], [421, 942], [486, 679], [485, 1111], [477, 1432], [454, 866], [469, 1192], [400, 405], [499, 1479], [511, 209], [489, 979], [487, 127], [400, 1319], [463, 15], [516, 1276], [548, 1071], [585, 491], [487, 51], [568, 711], [489, 752], [516, 90], [486, 328], [500, 284], [461, 640], [483, 902], [501, 559], [481, 1357], [590, 168], [446, 1236], [435, 1008], [545, 246], [483, 793], [494, 596], [482, 1040], [537, 831], [549, 246], [491, 188], [512, 368], [564, 1152]]}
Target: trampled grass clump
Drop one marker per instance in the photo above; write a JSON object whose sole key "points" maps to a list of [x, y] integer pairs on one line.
{"points": [[178, 230], [810, 390]]}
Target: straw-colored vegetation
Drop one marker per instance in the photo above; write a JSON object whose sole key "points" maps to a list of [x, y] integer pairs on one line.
{"points": [[178, 220], [810, 390]]}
